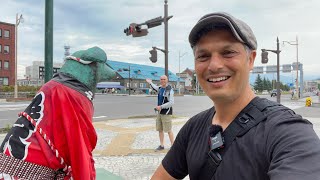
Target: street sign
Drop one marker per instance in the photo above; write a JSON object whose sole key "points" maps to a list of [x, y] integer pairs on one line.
{"points": [[257, 69], [294, 66], [272, 68], [286, 68]]}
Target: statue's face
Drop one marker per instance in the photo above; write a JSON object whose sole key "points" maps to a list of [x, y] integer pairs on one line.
{"points": [[104, 72]]}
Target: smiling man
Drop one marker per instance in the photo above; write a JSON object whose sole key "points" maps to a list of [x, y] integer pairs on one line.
{"points": [[243, 137], [164, 109]]}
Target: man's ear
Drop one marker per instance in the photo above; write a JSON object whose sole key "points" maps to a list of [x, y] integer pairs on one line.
{"points": [[252, 58]]}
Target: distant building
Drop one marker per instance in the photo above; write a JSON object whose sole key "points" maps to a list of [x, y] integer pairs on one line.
{"points": [[187, 77], [7, 53], [310, 86], [138, 75], [35, 74]]}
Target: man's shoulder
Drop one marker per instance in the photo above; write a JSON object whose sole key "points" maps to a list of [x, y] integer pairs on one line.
{"points": [[202, 116], [277, 115]]}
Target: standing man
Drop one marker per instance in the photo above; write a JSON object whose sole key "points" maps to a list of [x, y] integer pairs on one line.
{"points": [[164, 107], [242, 137]]}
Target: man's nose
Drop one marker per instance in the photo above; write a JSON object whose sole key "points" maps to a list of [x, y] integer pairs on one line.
{"points": [[215, 63]]}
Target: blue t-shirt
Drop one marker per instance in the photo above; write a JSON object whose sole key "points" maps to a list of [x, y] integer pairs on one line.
{"points": [[160, 96]]}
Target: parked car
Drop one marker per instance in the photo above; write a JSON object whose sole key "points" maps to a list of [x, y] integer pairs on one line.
{"points": [[274, 92]]}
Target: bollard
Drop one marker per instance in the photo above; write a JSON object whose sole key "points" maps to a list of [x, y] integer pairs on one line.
{"points": [[308, 101]]}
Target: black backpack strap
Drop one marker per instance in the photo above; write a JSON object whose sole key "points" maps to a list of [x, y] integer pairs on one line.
{"points": [[249, 117]]}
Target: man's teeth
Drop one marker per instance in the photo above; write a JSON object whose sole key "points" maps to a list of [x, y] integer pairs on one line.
{"points": [[218, 79]]}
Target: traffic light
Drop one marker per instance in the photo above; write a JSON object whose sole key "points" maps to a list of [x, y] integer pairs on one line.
{"points": [[264, 57], [138, 32], [135, 30], [153, 54], [129, 30]]}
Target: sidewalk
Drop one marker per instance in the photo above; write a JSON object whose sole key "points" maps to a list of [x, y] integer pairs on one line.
{"points": [[125, 148]]}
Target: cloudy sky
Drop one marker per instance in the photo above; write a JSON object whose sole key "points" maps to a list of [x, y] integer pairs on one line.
{"points": [[86, 23]]}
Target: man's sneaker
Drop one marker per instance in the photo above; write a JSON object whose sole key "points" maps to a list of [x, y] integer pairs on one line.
{"points": [[159, 148]]}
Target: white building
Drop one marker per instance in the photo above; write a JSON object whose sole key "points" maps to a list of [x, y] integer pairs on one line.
{"points": [[35, 74]]}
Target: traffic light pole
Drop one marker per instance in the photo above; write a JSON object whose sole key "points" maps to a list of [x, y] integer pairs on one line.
{"points": [[278, 67], [129, 71], [166, 38], [48, 53]]}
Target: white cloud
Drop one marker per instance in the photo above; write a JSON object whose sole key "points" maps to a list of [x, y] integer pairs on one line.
{"points": [[101, 23]]}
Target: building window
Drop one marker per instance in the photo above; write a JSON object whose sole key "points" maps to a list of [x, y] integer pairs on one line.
{"points": [[0, 64], [4, 81], [0, 48], [6, 65], [6, 49], [143, 85], [6, 33], [135, 85], [0, 32]]}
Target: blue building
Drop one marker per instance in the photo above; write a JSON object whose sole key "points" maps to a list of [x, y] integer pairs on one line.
{"points": [[138, 74]]}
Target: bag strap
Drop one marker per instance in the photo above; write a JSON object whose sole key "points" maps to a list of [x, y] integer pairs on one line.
{"points": [[249, 117]]}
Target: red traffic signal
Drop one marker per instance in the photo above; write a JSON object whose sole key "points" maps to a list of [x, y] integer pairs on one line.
{"points": [[129, 30], [135, 30]]}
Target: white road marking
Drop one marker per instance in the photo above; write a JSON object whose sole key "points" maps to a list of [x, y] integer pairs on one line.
{"points": [[99, 117]]}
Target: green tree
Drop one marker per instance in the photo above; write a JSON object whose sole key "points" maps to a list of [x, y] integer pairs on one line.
{"points": [[284, 87], [265, 84], [258, 84], [269, 85]]}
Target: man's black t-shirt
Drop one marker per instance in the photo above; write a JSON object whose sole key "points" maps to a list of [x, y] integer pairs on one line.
{"points": [[282, 147]]}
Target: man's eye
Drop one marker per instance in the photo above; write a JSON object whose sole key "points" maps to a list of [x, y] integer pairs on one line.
{"points": [[202, 57], [229, 54]]}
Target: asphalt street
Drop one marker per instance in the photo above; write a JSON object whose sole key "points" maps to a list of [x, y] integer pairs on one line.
{"points": [[107, 106]]}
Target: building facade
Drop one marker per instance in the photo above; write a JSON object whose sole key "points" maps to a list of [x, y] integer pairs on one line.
{"points": [[188, 76], [133, 76], [35, 74], [7, 54]]}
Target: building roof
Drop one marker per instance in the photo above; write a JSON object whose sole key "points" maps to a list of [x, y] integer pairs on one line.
{"points": [[138, 71], [10, 24], [188, 71]]}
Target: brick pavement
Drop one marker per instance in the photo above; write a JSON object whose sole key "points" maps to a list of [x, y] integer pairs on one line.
{"points": [[128, 149], [125, 147]]}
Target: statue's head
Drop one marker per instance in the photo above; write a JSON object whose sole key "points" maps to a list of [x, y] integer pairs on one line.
{"points": [[88, 66]]}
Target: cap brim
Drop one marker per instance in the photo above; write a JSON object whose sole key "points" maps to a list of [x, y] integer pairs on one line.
{"points": [[211, 21]]}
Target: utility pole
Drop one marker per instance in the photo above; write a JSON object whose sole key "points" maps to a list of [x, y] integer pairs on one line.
{"points": [[166, 38], [18, 21], [297, 83], [125, 69], [180, 56], [295, 43]]}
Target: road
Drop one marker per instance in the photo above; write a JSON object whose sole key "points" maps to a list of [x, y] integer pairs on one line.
{"points": [[109, 106]]}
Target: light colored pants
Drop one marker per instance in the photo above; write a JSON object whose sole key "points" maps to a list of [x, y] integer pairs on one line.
{"points": [[164, 123]]}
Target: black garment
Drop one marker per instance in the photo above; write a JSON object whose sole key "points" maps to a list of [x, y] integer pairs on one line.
{"points": [[166, 96], [282, 147]]}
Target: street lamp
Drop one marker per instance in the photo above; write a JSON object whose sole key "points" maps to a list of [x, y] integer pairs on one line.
{"points": [[18, 20], [126, 69], [180, 56], [295, 43]]}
